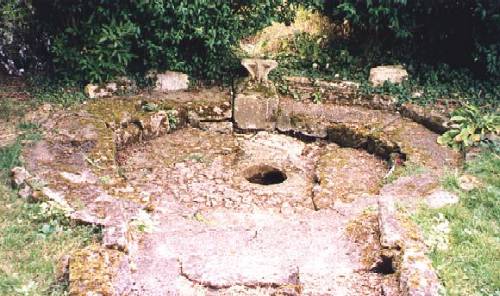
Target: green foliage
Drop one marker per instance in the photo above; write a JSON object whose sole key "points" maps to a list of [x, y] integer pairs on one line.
{"points": [[33, 237], [14, 32], [9, 156], [460, 33], [317, 97], [314, 57], [97, 40], [469, 127], [173, 118]]}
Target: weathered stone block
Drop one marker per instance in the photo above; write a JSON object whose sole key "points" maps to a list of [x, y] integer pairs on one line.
{"points": [[98, 271], [19, 176], [255, 112], [393, 74], [417, 277], [94, 91], [391, 232], [171, 81]]}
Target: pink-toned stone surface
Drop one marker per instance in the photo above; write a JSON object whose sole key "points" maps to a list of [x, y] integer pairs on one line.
{"points": [[377, 130], [257, 249], [190, 223]]}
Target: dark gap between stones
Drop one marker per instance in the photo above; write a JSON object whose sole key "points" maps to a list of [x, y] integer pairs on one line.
{"points": [[384, 266]]}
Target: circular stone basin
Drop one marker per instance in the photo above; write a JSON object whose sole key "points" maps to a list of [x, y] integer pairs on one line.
{"points": [[308, 233], [203, 169], [264, 175]]}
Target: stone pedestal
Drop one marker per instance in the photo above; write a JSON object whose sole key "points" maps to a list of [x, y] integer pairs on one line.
{"points": [[256, 102], [254, 111]]}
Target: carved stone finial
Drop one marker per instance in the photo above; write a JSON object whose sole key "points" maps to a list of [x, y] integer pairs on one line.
{"points": [[259, 68]]}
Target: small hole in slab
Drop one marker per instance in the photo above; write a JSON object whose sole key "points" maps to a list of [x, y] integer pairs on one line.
{"points": [[264, 175]]}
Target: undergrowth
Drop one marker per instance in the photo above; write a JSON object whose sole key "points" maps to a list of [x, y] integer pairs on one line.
{"points": [[315, 57], [36, 91], [465, 245]]}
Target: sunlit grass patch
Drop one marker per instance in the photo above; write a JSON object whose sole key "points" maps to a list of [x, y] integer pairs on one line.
{"points": [[33, 237], [470, 263], [32, 240]]}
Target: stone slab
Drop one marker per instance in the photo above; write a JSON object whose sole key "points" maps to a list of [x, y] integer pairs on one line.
{"points": [[171, 81], [391, 73]]}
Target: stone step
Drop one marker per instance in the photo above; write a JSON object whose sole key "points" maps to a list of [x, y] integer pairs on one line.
{"points": [[221, 249]]}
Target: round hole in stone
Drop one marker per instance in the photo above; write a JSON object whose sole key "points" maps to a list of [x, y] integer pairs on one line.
{"points": [[264, 175]]}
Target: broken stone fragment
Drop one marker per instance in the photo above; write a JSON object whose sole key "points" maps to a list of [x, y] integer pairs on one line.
{"points": [[21, 179], [116, 237], [259, 68], [56, 197], [90, 90], [157, 124], [468, 182], [85, 177], [19, 176], [440, 198], [26, 192], [98, 271], [391, 232], [193, 119], [94, 91], [223, 127], [417, 277], [394, 74], [171, 81]]}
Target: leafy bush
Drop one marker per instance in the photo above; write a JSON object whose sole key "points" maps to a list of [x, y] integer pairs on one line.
{"points": [[460, 33], [14, 35], [97, 40], [469, 127]]}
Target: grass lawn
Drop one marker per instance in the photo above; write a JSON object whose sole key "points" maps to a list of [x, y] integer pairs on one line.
{"points": [[33, 237], [466, 237]]}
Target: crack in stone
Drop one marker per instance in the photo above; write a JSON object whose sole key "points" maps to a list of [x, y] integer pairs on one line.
{"points": [[294, 284]]}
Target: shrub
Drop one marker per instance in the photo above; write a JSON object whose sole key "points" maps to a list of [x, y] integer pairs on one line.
{"points": [[460, 33], [15, 35], [97, 40], [470, 127]]}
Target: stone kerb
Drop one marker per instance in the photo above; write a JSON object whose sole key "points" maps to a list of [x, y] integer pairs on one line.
{"points": [[256, 101], [75, 169], [402, 243], [347, 93], [255, 107]]}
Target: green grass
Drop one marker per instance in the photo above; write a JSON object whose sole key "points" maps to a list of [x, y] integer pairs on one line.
{"points": [[9, 156], [33, 237], [406, 170], [471, 264]]}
